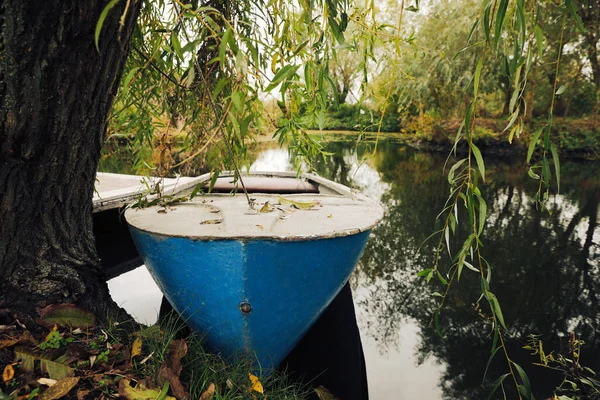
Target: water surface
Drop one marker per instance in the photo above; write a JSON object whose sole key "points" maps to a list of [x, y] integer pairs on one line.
{"points": [[546, 271]]}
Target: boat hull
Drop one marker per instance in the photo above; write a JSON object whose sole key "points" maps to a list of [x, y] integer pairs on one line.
{"points": [[250, 297]]}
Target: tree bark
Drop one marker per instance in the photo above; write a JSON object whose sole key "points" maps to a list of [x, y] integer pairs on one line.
{"points": [[56, 90]]}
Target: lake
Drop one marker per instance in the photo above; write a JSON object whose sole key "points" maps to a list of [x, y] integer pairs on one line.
{"points": [[545, 270]]}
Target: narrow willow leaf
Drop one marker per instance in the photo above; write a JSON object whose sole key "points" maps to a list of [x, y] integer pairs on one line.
{"points": [[524, 379], [477, 76], [561, 89], [283, 73], [470, 266], [471, 32], [447, 237], [479, 159], [424, 272], [468, 119], [453, 170], [459, 267], [129, 77], [512, 133], [533, 143], [513, 118], [176, 44], [487, 366], [556, 166], [497, 384], [495, 305], [500, 14], [486, 20], [539, 38], [546, 174], [441, 278], [482, 214], [101, 20]]}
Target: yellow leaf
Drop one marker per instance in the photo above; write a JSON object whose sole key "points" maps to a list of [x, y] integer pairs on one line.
{"points": [[208, 393], [136, 348], [265, 208], [330, 216], [260, 226], [60, 389], [256, 385], [8, 374], [303, 205]]}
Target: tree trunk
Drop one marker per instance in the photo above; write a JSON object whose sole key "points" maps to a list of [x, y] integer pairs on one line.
{"points": [[56, 90]]}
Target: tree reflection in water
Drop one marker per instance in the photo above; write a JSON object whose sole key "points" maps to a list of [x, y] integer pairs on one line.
{"points": [[546, 268]]}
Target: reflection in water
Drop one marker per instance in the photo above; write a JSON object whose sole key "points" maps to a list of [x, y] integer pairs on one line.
{"points": [[546, 268], [546, 271]]}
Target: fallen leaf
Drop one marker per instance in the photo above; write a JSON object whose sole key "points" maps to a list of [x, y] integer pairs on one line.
{"points": [[60, 389], [211, 222], [27, 360], [330, 216], [140, 392], [93, 360], [256, 385], [171, 368], [208, 393], [260, 226], [8, 373], [229, 383], [136, 348], [324, 394], [265, 208], [47, 381], [68, 315], [303, 205], [81, 394], [55, 370]]}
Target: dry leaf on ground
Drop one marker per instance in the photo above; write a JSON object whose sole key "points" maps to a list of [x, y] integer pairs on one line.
{"points": [[208, 393]]}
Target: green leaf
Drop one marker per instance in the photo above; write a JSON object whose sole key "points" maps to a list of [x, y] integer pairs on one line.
{"points": [[282, 73], [453, 170], [497, 384], [477, 76], [129, 77], [482, 214], [495, 305], [68, 315], [55, 370], [176, 44], [524, 379], [500, 14], [539, 38], [487, 366], [532, 174], [561, 89], [546, 174], [101, 20], [479, 160], [556, 165], [533, 143]]}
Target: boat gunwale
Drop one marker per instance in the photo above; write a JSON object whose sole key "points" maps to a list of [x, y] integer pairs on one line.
{"points": [[341, 190]]}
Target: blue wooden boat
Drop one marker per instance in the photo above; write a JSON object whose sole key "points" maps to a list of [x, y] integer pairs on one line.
{"points": [[254, 279]]}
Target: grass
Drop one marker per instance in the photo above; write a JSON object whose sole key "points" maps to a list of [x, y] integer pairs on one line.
{"points": [[105, 361]]}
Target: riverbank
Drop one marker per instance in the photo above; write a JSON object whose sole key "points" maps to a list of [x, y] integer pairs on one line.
{"points": [[574, 138]]}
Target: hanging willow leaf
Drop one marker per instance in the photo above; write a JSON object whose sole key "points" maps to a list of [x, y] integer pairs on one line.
{"points": [[533, 143], [556, 166], [479, 160], [103, 16]]}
